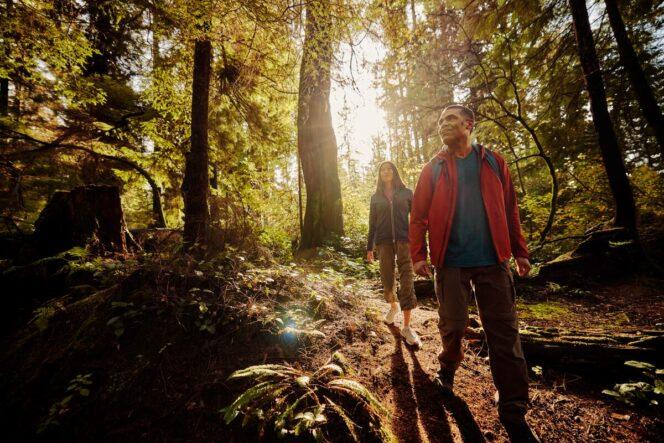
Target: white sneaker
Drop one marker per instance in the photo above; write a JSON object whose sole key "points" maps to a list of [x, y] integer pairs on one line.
{"points": [[391, 315], [411, 336]]}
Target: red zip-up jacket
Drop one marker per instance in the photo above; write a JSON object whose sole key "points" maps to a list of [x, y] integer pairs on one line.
{"points": [[433, 210]]}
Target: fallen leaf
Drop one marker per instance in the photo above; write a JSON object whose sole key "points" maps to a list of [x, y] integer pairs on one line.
{"points": [[624, 417]]}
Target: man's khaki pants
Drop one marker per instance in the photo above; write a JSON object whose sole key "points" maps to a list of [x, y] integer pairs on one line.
{"points": [[494, 291], [386, 255]]}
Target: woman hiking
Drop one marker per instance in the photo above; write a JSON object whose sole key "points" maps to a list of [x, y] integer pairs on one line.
{"points": [[388, 233]]}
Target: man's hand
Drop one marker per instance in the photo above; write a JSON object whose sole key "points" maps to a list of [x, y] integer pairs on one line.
{"points": [[370, 257], [522, 266], [421, 268]]}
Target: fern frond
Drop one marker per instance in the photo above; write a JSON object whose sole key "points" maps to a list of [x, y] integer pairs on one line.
{"points": [[360, 391], [248, 396], [350, 424], [328, 369], [288, 412], [262, 371], [340, 359]]}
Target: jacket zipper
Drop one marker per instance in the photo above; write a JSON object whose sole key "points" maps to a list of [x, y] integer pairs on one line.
{"points": [[493, 243], [394, 240]]}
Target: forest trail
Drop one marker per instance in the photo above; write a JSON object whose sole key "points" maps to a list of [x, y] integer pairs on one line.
{"points": [[147, 348], [401, 375]]}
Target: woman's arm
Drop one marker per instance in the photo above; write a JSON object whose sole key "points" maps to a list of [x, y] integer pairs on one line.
{"points": [[372, 225]]}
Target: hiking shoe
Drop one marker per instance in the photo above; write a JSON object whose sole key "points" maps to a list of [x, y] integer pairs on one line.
{"points": [[411, 336], [445, 381], [391, 315], [520, 431]]}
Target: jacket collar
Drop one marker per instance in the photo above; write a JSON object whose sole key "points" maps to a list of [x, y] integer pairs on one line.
{"points": [[444, 155]]}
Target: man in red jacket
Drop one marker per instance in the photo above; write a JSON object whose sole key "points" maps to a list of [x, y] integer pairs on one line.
{"points": [[465, 201]]}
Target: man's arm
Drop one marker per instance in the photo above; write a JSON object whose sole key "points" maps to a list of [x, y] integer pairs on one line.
{"points": [[419, 216], [517, 241]]}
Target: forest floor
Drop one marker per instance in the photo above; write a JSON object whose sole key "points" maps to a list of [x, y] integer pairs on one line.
{"points": [[145, 349], [564, 407]]}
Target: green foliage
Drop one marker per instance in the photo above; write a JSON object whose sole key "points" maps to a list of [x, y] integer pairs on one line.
{"points": [[648, 393], [77, 390], [514, 61], [288, 403], [543, 310], [125, 313], [42, 315]]}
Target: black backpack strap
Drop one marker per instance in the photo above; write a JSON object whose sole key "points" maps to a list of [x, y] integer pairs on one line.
{"points": [[491, 158]]}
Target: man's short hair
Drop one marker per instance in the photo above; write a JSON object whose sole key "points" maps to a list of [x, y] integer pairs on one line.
{"points": [[465, 111]]}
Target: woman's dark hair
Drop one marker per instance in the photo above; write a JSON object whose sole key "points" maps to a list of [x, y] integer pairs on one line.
{"points": [[397, 183]]}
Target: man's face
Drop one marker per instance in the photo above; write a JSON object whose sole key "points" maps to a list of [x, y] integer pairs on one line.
{"points": [[453, 127]]}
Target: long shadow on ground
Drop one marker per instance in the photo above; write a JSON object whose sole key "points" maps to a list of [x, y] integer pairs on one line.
{"points": [[414, 400], [406, 411], [430, 398], [417, 397]]}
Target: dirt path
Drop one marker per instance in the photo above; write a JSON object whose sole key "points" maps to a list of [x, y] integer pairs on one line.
{"points": [[401, 376]]}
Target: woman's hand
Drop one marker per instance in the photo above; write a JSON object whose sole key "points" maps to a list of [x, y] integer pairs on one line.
{"points": [[370, 257]]}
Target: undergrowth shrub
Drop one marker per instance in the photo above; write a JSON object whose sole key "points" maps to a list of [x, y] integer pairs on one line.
{"points": [[288, 403]]}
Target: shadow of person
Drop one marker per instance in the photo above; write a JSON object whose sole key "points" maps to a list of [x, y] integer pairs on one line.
{"points": [[433, 404], [405, 418], [413, 403]]}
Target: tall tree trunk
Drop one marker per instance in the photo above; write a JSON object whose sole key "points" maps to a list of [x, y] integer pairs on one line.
{"points": [[156, 57], [413, 15], [4, 97], [195, 187], [316, 141], [4, 83], [625, 215], [640, 83], [101, 16]]}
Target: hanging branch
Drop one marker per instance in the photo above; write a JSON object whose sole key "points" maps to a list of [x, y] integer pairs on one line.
{"points": [[46, 146], [519, 117]]}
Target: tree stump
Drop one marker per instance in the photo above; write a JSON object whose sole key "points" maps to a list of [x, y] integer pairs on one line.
{"points": [[85, 216]]}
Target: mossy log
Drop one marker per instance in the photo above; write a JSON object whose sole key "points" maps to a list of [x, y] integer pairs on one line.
{"points": [[597, 353]]}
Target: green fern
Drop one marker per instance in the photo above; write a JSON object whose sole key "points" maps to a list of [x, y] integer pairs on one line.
{"points": [[347, 421], [360, 391], [258, 391], [261, 371], [288, 403]]}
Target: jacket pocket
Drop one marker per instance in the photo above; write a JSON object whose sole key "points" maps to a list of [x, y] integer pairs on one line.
{"points": [[505, 267]]}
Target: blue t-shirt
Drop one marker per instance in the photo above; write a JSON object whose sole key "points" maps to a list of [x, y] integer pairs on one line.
{"points": [[470, 238]]}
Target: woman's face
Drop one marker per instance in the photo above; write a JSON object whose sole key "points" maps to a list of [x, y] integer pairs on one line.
{"points": [[386, 173]]}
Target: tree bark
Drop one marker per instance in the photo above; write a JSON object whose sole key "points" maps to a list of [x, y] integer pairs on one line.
{"points": [[637, 76], [316, 141], [156, 57], [4, 97], [99, 34], [4, 83], [625, 213], [195, 187]]}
